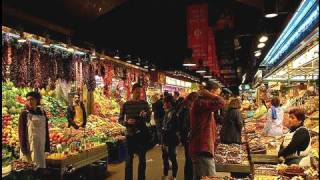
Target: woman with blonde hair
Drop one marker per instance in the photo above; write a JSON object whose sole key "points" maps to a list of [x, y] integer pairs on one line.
{"points": [[232, 123]]}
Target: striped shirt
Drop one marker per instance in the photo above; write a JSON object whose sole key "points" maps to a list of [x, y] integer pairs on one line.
{"points": [[132, 110]]}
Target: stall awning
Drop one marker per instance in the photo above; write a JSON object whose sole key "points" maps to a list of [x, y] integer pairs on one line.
{"points": [[303, 22]]}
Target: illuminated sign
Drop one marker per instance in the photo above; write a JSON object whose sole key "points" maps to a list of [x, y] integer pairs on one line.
{"points": [[177, 82]]}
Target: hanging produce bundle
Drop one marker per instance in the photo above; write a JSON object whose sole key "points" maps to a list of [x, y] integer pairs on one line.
{"points": [[35, 55], [107, 79]]}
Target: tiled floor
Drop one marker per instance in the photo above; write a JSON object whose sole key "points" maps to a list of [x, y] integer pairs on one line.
{"points": [[154, 166]]}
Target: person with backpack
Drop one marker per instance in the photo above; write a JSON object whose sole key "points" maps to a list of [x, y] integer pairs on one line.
{"points": [[184, 121], [134, 115], [203, 133], [34, 132], [170, 138]]}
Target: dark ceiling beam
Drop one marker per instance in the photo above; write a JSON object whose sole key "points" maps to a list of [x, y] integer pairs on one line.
{"points": [[9, 11]]}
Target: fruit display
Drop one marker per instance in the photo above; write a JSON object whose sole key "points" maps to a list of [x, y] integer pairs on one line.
{"points": [[104, 106], [99, 129]]}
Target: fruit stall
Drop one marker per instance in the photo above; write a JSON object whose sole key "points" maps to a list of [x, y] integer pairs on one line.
{"points": [[56, 71]]}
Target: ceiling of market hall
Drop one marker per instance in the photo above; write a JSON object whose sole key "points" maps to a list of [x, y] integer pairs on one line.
{"points": [[154, 30]]}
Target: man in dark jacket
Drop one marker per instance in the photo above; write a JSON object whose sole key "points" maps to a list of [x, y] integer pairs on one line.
{"points": [[76, 113], [134, 115], [170, 138]]}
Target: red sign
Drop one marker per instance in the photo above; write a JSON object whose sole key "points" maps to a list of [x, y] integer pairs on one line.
{"points": [[201, 37], [197, 28]]}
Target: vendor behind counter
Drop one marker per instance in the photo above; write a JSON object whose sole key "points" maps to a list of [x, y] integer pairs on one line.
{"points": [[295, 148]]}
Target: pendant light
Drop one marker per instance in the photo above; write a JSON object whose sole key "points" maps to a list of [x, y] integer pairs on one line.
{"points": [[201, 69], [129, 59], [263, 39], [188, 62], [117, 55], [271, 8]]}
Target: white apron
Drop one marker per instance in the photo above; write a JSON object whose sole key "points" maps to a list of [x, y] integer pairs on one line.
{"points": [[305, 161], [36, 132]]}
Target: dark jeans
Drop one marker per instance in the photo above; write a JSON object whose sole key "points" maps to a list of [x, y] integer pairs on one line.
{"points": [[169, 152], [188, 163], [132, 149], [158, 126]]}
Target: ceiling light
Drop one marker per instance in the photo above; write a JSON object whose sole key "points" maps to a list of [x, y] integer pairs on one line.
{"points": [[257, 54], [200, 71], [146, 66], [270, 8], [21, 39], [138, 62], [188, 63], [271, 15], [261, 45], [117, 55], [263, 39], [207, 76], [129, 61]]}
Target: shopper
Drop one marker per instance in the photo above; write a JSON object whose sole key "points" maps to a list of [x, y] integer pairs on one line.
{"points": [[184, 119], [203, 130], [76, 113], [34, 131], [170, 138], [232, 124], [274, 126], [134, 115], [296, 144], [158, 112]]}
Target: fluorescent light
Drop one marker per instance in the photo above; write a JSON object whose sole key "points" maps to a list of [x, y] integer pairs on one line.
{"points": [[201, 71], [189, 64], [305, 17], [138, 63], [129, 61], [146, 66], [261, 45], [116, 57], [152, 69], [22, 40], [207, 76], [263, 39], [271, 15]]}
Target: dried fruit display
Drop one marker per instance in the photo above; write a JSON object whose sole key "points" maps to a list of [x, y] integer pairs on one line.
{"points": [[231, 154]]}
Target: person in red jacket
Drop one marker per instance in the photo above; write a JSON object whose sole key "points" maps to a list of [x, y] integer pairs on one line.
{"points": [[203, 134]]}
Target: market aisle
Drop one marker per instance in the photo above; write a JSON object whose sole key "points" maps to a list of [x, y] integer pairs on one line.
{"points": [[154, 166]]}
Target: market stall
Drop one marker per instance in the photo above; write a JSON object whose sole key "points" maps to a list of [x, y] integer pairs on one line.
{"points": [[56, 72], [291, 75]]}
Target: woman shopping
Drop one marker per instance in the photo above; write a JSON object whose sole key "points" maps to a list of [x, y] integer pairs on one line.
{"points": [[274, 126], [34, 131], [232, 124]]}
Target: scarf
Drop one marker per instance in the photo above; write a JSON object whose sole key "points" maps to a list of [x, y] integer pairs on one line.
{"points": [[274, 112]]}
